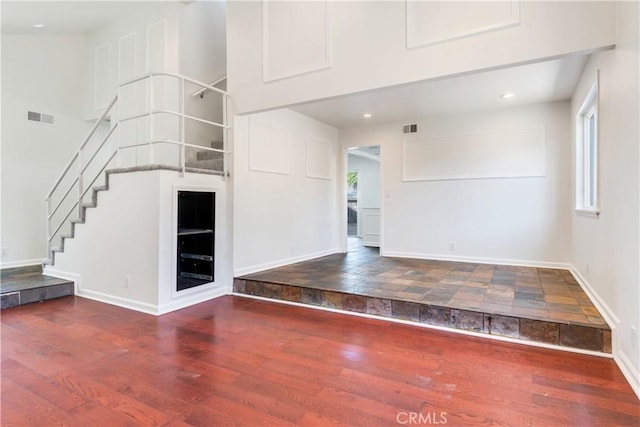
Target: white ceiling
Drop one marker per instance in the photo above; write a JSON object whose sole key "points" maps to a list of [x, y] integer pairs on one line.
{"points": [[533, 83], [63, 17]]}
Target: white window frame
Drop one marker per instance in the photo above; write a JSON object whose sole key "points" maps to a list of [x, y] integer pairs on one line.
{"points": [[587, 188]]}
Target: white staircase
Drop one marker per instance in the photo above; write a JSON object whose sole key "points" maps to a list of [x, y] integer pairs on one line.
{"points": [[87, 172]]}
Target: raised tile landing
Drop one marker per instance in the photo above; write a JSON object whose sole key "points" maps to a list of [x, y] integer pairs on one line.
{"points": [[533, 304], [25, 285]]}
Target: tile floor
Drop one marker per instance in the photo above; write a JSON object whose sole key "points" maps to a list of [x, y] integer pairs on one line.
{"points": [[529, 304], [526, 292]]}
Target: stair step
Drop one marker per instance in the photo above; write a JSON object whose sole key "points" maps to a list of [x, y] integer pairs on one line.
{"points": [[101, 188], [208, 155], [215, 164], [77, 221], [88, 205], [66, 236]]}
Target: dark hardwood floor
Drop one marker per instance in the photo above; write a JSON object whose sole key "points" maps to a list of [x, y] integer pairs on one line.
{"points": [[237, 361]]}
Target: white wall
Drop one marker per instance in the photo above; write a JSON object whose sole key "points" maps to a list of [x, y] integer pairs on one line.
{"points": [[523, 220], [131, 233], [285, 216], [203, 56], [304, 51], [189, 39], [368, 180], [43, 74], [606, 249]]}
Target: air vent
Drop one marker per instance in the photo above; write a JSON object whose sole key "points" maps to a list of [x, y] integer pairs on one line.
{"points": [[39, 117], [410, 129]]}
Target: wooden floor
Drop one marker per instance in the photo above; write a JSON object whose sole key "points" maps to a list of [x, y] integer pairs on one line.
{"points": [[238, 361]]}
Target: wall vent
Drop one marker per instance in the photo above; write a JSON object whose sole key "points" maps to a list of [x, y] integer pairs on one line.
{"points": [[410, 128], [39, 117]]}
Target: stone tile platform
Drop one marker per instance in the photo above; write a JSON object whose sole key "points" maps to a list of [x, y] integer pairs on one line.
{"points": [[24, 285], [531, 304]]}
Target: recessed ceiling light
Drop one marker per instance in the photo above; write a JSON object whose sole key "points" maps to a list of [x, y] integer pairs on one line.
{"points": [[367, 115], [507, 95], [38, 25]]}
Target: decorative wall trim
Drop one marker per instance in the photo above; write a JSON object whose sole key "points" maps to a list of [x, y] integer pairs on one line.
{"points": [[318, 158], [238, 272], [121, 41], [268, 144], [323, 63], [370, 237], [472, 156], [101, 66], [428, 326], [21, 263], [415, 41], [161, 23], [480, 260]]}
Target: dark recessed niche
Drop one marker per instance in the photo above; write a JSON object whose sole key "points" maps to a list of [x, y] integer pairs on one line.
{"points": [[196, 239]]}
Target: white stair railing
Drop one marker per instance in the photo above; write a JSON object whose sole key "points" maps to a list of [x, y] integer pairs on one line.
{"points": [[80, 178]]}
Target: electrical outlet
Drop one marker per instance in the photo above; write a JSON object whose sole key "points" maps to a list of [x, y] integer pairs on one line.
{"points": [[127, 281], [452, 246], [634, 336]]}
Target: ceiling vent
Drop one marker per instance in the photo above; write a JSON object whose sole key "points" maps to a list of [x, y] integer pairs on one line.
{"points": [[34, 116], [410, 128]]}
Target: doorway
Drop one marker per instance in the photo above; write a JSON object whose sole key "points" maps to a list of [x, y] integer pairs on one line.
{"points": [[363, 196]]}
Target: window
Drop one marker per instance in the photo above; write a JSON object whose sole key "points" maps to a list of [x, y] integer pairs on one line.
{"points": [[587, 154]]}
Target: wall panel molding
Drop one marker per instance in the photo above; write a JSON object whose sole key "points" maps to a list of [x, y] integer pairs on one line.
{"points": [[515, 153], [268, 148], [127, 51], [101, 71], [429, 23], [296, 38], [318, 158], [156, 47]]}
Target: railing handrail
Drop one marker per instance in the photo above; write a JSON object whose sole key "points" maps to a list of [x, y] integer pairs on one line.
{"points": [[83, 160], [203, 90], [82, 145], [179, 76]]}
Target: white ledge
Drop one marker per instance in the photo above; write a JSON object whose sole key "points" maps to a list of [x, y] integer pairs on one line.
{"points": [[593, 213]]}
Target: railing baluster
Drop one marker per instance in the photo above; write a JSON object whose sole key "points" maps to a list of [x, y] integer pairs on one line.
{"points": [[183, 149], [80, 189], [151, 101], [225, 135], [118, 147], [48, 226]]}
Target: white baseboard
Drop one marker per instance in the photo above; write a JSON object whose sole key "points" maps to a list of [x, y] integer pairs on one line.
{"points": [[629, 371], [119, 301], [622, 360], [21, 263], [612, 320], [237, 272], [480, 260], [75, 278], [190, 300], [427, 326]]}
